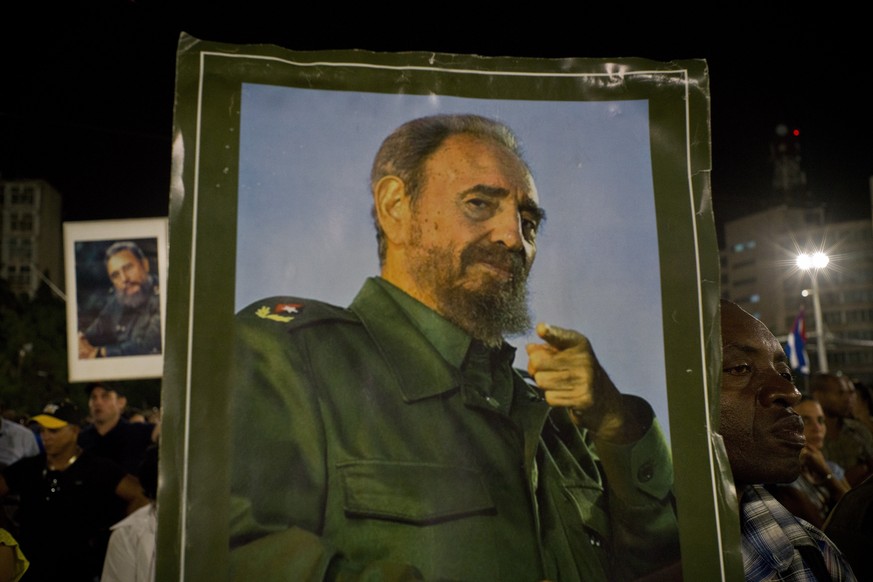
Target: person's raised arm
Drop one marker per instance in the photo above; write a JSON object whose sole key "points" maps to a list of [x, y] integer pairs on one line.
{"points": [[130, 490]]}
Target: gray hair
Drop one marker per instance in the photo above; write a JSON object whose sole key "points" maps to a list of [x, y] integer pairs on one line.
{"points": [[123, 246], [404, 153]]}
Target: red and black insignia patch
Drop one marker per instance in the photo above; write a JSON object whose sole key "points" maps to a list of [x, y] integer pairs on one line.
{"points": [[282, 312]]}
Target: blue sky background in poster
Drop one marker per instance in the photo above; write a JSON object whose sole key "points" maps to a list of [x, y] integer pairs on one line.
{"points": [[304, 225]]}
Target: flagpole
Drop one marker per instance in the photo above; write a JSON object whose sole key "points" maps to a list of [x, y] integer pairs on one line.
{"points": [[819, 324], [814, 263]]}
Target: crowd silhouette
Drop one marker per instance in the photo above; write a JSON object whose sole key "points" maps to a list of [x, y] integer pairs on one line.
{"points": [[76, 482]]}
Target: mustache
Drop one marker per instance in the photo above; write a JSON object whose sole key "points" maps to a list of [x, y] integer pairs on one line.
{"points": [[512, 261]]}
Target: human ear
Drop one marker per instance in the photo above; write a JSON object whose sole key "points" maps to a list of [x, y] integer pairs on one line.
{"points": [[392, 205]]}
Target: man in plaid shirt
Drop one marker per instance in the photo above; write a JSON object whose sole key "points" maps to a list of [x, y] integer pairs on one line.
{"points": [[763, 437]]}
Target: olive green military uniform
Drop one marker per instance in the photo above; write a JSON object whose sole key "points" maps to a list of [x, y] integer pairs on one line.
{"points": [[365, 450]]}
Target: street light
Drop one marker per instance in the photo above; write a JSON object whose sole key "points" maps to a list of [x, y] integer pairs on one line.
{"points": [[813, 263]]}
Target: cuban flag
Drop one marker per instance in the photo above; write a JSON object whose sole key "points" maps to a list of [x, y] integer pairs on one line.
{"points": [[796, 350]]}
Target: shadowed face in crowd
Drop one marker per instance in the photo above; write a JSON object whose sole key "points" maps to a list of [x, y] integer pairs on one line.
{"points": [[57, 440], [814, 428], [105, 406], [836, 396], [763, 435]]}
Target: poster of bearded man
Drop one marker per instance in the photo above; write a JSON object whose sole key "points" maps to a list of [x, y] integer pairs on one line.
{"points": [[114, 275], [328, 292]]}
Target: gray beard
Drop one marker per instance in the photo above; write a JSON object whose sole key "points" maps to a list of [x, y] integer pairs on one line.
{"points": [[139, 298], [491, 312]]}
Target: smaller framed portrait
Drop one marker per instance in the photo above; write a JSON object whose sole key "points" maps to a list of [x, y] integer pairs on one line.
{"points": [[115, 274]]}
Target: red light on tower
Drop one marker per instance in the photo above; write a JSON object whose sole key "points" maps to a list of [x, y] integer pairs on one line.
{"points": [[796, 133]]}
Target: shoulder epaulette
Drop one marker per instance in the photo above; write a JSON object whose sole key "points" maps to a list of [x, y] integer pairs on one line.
{"points": [[294, 312]]}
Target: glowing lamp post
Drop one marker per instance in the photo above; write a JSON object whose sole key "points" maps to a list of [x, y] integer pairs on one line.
{"points": [[813, 263]]}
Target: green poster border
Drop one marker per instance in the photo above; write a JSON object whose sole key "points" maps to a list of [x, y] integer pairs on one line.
{"points": [[192, 524]]}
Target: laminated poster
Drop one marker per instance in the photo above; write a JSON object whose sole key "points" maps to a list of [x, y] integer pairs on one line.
{"points": [[115, 270], [271, 197]]}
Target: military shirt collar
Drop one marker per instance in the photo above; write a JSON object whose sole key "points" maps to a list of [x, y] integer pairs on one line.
{"points": [[449, 340], [423, 368]]}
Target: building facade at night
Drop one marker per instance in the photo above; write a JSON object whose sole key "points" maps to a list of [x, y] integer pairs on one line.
{"points": [[760, 273], [31, 240]]}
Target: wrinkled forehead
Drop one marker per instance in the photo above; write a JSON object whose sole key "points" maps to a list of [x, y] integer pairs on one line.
{"points": [[488, 155]]}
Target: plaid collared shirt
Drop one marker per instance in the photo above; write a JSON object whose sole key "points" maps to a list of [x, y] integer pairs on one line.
{"points": [[773, 539]]}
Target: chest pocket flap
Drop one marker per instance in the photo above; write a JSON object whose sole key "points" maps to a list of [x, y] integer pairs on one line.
{"points": [[418, 493]]}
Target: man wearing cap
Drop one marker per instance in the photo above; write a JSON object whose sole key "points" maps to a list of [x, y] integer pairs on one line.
{"points": [[110, 435], [69, 499]]}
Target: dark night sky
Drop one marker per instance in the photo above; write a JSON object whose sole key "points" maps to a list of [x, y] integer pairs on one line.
{"points": [[86, 95]]}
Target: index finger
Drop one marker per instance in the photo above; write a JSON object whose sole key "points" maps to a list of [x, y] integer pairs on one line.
{"points": [[559, 337]]}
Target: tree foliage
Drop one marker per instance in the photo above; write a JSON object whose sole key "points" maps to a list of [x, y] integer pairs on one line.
{"points": [[33, 355], [33, 349]]}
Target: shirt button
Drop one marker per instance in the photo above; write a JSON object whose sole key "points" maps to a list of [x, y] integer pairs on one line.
{"points": [[646, 472], [492, 401]]}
